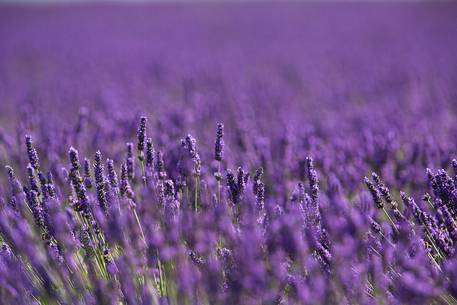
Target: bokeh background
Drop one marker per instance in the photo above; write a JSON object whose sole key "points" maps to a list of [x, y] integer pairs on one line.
{"points": [[272, 72], [157, 55]]}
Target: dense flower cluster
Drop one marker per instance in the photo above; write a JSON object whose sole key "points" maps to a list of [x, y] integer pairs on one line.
{"points": [[89, 238], [236, 176]]}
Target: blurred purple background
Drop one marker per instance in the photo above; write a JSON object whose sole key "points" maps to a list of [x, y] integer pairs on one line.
{"points": [[154, 56]]}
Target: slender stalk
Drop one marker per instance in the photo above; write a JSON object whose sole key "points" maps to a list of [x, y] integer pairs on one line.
{"points": [[161, 276], [143, 172], [390, 219], [187, 195], [139, 226], [218, 181], [196, 194], [429, 236]]}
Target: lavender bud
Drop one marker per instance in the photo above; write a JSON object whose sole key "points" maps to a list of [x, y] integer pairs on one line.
{"points": [[43, 185], [32, 179], [74, 159], [449, 222], [84, 238], [141, 133], [50, 185], [241, 182], [160, 166], [130, 169], [299, 193], [16, 187], [260, 195], [35, 206], [82, 205], [129, 149], [374, 193], [31, 152], [149, 154], [112, 176], [130, 162], [169, 189], [124, 179], [100, 181], [375, 227], [385, 192], [190, 144], [313, 179], [257, 180], [417, 212], [87, 178], [219, 145], [432, 179], [125, 188], [376, 178], [232, 187]]}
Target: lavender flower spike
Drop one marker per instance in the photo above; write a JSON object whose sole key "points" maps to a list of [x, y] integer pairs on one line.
{"points": [[149, 154], [219, 145], [141, 134], [100, 181], [31, 152], [313, 179]]}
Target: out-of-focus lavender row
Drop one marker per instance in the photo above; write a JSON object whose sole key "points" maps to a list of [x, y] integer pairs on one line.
{"points": [[120, 187], [272, 73]]}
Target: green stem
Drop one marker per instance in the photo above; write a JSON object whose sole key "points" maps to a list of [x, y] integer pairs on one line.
{"points": [[139, 226], [196, 195], [161, 276], [143, 171], [390, 219], [429, 236], [218, 181]]}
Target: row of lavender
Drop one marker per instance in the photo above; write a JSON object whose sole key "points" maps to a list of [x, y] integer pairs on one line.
{"points": [[145, 231]]}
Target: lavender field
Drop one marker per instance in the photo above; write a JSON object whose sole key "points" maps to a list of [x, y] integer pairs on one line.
{"points": [[229, 153]]}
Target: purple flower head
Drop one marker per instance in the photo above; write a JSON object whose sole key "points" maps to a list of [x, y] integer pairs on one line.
{"points": [[219, 145], [257, 179], [190, 145], [16, 187], [313, 179], [112, 176], [50, 185], [100, 181], [169, 188], [35, 206], [149, 154], [141, 134], [87, 177], [233, 187], [74, 158], [160, 166], [124, 185], [374, 193], [130, 162], [260, 195], [383, 189], [32, 178], [43, 185], [82, 204], [298, 195], [31, 152]]}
